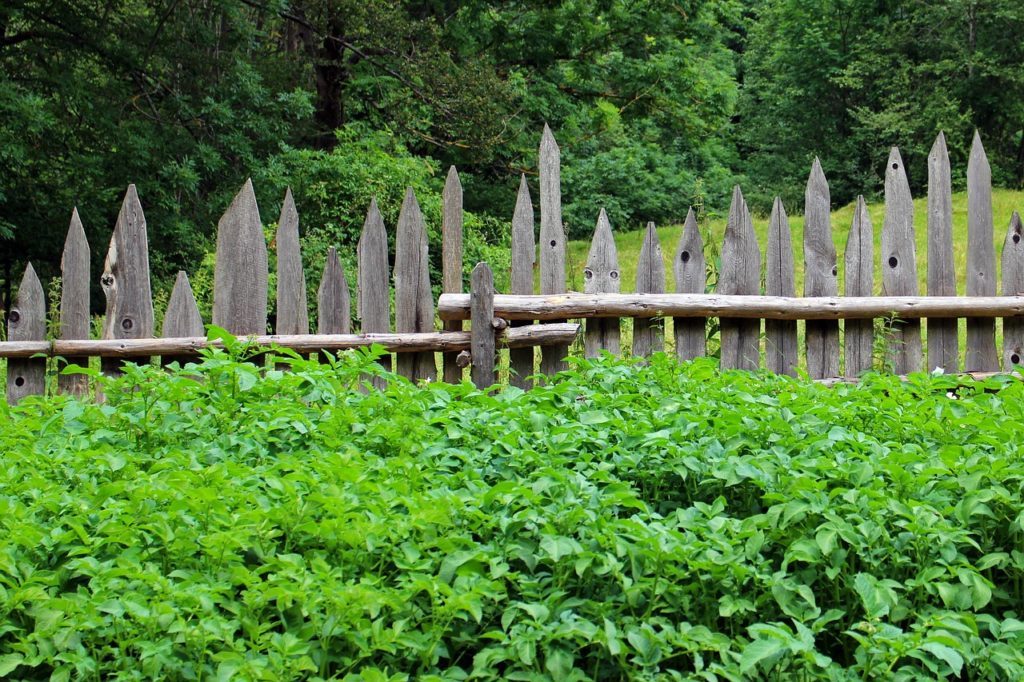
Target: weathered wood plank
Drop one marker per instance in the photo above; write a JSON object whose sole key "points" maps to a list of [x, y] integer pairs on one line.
{"points": [[859, 335], [524, 253], [74, 301], [1013, 285], [820, 274], [182, 318], [125, 279], [781, 354], [981, 260], [414, 302], [552, 237], [26, 321], [899, 265], [943, 344], [481, 296], [373, 293], [691, 277], [292, 306], [334, 311], [451, 258], [601, 276], [741, 275], [649, 333], [240, 273]]}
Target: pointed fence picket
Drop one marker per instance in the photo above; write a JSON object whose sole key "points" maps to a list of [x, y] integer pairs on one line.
{"points": [[552, 238], [899, 264], [820, 275], [26, 321], [334, 308], [741, 274], [981, 260], [414, 303], [858, 335], [524, 254], [601, 276], [781, 353], [74, 302], [1013, 285], [649, 333], [943, 342], [451, 258], [182, 318], [292, 307], [690, 272]]}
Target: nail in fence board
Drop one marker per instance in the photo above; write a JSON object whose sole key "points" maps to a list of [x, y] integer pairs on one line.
{"points": [[858, 335], [74, 302], [601, 276], [1013, 284], [414, 302], [741, 274], [820, 275], [943, 344], [981, 260], [780, 345], [373, 294], [523, 256], [552, 238], [690, 272], [292, 307], [125, 280], [240, 273], [182, 318], [334, 313], [899, 268], [27, 322], [451, 256], [482, 347], [649, 333]]}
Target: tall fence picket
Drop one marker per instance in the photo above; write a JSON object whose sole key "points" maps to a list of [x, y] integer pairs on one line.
{"points": [[741, 274], [292, 306], [26, 321], [414, 302], [373, 293], [552, 238], [943, 344], [182, 317], [981, 260], [523, 255], [334, 308], [451, 258], [690, 272], [74, 302], [1013, 285], [649, 333], [240, 272], [780, 344], [820, 274], [601, 276], [899, 267], [859, 274], [482, 346]]}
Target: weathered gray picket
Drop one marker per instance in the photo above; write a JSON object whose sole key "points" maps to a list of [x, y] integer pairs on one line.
{"points": [[981, 260], [182, 318], [1013, 284], [240, 271], [74, 301], [524, 253], [943, 341], [648, 333], [552, 238], [451, 258], [414, 302], [820, 274], [26, 321], [690, 272], [741, 274], [601, 276], [482, 347], [899, 264], [780, 345], [334, 308], [859, 263], [292, 307], [373, 291]]}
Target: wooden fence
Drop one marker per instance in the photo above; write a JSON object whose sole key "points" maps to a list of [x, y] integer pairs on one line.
{"points": [[739, 301]]}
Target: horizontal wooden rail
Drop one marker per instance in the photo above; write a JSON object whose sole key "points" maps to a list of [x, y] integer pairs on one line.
{"points": [[440, 342], [560, 307]]}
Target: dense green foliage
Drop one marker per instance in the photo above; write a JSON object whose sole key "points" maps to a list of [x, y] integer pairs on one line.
{"points": [[627, 522]]}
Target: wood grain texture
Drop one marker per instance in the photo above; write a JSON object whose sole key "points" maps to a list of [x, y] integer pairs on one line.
{"points": [[182, 318], [74, 301], [649, 333], [481, 303], [820, 274], [691, 275], [373, 288], [981, 353], [292, 306], [1013, 285], [451, 259], [859, 335], [601, 276], [943, 344], [552, 237], [26, 321], [899, 265], [740, 275], [780, 342], [524, 254], [414, 302], [334, 307], [125, 279], [240, 273]]}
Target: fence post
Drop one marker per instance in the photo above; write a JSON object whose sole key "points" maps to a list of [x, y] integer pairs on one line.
{"points": [[859, 335], [601, 276], [451, 258], [820, 275], [981, 260], [691, 275], [552, 239], [27, 322], [899, 267], [74, 302], [374, 304], [780, 346], [523, 256], [649, 334], [1013, 284], [414, 302], [481, 303], [240, 272], [292, 307], [334, 311], [741, 274], [182, 317], [943, 345]]}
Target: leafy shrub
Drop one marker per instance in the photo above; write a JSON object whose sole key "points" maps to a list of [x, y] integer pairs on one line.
{"points": [[625, 522]]}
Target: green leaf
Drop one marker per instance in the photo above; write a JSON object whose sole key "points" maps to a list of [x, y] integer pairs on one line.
{"points": [[758, 651], [945, 654]]}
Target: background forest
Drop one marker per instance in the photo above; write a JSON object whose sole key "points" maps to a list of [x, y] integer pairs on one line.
{"points": [[657, 105]]}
